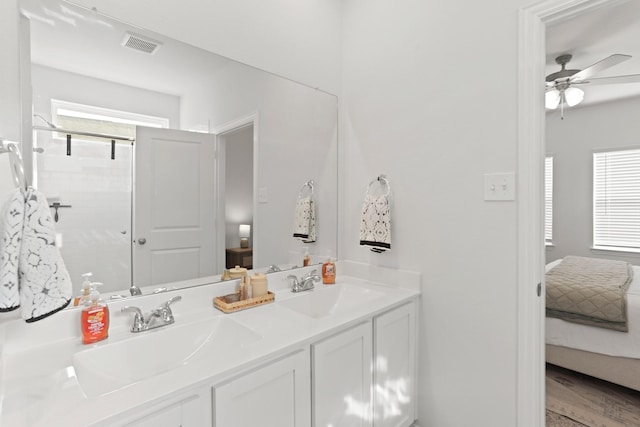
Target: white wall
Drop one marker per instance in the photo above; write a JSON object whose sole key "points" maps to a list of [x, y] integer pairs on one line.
{"points": [[429, 98], [49, 83], [572, 142], [9, 71]]}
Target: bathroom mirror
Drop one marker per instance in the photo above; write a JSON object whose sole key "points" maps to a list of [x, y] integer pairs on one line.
{"points": [[267, 136]]}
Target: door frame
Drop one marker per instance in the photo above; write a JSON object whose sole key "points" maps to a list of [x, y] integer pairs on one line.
{"points": [[531, 149], [220, 132]]}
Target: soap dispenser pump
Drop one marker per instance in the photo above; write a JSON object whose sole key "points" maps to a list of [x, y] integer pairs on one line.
{"points": [[95, 318], [84, 298]]}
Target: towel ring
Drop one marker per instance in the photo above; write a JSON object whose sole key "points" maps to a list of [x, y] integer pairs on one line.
{"points": [[383, 181], [309, 184]]}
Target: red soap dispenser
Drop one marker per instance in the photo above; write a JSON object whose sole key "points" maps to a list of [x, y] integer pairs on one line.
{"points": [[329, 272], [95, 320]]}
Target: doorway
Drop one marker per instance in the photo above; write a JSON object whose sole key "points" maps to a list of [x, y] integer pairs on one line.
{"points": [[237, 151], [531, 152], [238, 200]]}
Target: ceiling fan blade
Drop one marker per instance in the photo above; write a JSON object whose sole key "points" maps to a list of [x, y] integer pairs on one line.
{"points": [[631, 78], [600, 66]]}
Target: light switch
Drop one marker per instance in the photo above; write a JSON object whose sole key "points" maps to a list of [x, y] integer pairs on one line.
{"points": [[500, 186], [263, 195]]}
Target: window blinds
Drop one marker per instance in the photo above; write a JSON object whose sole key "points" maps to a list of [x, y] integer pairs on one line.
{"points": [[616, 199], [548, 199]]}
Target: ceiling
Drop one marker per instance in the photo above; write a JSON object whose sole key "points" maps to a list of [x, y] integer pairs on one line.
{"points": [[594, 36]]}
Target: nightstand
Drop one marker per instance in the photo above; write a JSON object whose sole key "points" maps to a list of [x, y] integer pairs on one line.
{"points": [[242, 257]]}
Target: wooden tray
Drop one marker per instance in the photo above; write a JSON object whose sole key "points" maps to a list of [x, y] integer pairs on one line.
{"points": [[226, 307]]}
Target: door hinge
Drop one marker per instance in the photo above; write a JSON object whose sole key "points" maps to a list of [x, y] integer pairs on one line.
{"points": [[539, 289]]}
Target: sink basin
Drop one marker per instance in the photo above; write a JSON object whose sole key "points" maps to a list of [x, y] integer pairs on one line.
{"points": [[330, 300], [111, 366]]}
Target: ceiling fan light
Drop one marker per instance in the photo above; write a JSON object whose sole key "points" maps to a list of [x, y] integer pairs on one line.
{"points": [[573, 96], [552, 99]]}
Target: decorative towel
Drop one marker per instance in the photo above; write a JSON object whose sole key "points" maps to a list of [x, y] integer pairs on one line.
{"points": [[375, 224], [304, 226], [10, 238], [45, 285]]}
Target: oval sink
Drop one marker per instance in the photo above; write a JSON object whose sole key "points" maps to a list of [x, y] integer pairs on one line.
{"points": [[111, 366], [330, 300]]}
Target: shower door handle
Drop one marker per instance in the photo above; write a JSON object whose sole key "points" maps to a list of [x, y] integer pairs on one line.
{"points": [[142, 241]]}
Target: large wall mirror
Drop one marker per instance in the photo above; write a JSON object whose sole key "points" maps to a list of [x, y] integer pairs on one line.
{"points": [[206, 144]]}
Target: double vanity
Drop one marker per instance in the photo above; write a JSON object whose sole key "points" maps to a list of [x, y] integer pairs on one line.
{"points": [[335, 355]]}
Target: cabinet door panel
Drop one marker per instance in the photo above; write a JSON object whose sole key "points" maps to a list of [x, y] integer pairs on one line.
{"points": [[342, 379], [276, 395], [186, 413], [394, 368]]}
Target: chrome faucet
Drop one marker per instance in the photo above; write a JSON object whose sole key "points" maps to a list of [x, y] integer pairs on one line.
{"points": [[305, 283], [158, 317]]}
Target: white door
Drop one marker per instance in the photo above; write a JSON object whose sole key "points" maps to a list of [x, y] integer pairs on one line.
{"points": [[174, 206]]}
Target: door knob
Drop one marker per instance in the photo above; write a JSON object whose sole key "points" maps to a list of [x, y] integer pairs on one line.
{"points": [[142, 241]]}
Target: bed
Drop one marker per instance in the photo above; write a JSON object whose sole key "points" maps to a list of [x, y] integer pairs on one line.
{"points": [[602, 353]]}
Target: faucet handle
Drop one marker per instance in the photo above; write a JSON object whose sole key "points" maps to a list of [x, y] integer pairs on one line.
{"points": [[312, 273], [172, 300], [165, 309], [138, 319]]}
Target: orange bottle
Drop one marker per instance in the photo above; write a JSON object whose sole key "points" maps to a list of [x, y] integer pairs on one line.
{"points": [[329, 272], [306, 260], [95, 320]]}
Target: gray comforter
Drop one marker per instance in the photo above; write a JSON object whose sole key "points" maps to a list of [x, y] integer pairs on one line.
{"points": [[589, 291]]}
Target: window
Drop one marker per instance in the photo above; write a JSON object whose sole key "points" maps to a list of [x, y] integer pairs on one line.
{"points": [[87, 118], [616, 200], [548, 199]]}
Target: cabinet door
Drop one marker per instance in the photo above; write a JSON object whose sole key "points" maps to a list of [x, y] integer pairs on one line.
{"points": [[184, 413], [276, 395], [342, 379], [394, 368]]}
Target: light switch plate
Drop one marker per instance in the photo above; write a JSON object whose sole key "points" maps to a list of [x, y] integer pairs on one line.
{"points": [[263, 195], [500, 186]]}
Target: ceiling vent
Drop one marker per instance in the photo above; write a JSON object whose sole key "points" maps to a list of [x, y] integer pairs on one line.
{"points": [[141, 43]]}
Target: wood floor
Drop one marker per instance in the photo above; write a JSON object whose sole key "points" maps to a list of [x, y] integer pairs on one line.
{"points": [[577, 400]]}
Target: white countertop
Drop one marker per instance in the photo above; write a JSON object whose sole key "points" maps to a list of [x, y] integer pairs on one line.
{"points": [[38, 382]]}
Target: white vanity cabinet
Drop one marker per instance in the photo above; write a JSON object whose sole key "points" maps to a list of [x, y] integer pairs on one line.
{"points": [[274, 395], [364, 376]]}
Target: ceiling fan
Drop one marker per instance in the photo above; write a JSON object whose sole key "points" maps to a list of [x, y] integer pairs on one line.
{"points": [[561, 85]]}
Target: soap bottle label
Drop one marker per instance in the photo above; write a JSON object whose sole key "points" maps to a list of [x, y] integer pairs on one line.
{"points": [[95, 324]]}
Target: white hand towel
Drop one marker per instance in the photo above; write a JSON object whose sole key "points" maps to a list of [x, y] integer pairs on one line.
{"points": [[304, 227], [11, 221], [375, 223], [45, 285]]}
